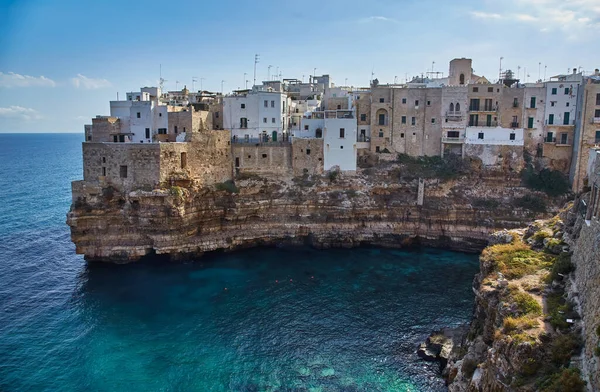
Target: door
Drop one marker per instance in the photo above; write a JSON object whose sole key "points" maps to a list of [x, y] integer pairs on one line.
{"points": [[532, 105], [566, 119], [563, 138], [530, 122], [237, 162], [274, 136], [382, 119], [488, 120]]}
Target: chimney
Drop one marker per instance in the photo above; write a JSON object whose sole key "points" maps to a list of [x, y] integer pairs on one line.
{"points": [[574, 71]]}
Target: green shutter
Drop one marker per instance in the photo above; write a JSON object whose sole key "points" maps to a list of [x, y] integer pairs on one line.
{"points": [[551, 119], [532, 105], [530, 122], [566, 119]]}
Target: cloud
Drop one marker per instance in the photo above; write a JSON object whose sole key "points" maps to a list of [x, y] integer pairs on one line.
{"points": [[371, 19], [12, 79], [19, 113], [485, 15], [81, 81], [526, 18]]}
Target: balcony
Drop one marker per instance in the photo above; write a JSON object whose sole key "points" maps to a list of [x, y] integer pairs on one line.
{"points": [[453, 140], [514, 125], [363, 138], [454, 116], [484, 124], [595, 120], [485, 109]]}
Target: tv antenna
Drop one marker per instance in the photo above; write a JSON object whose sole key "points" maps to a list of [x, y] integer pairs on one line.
{"points": [[256, 59], [161, 81]]}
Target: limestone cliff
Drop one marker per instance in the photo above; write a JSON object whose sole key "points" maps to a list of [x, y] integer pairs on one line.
{"points": [[377, 206], [525, 333]]}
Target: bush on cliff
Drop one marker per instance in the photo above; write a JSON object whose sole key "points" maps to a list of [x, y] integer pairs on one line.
{"points": [[531, 202], [515, 260], [566, 380], [552, 182], [227, 186], [446, 168], [526, 304], [562, 266]]}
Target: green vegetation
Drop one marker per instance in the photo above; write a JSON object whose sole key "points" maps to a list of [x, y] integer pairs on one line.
{"points": [[526, 303], [247, 176], [512, 326], [228, 186], [565, 380], [305, 181], [598, 330], [468, 367], [446, 168], [531, 202], [563, 265], [486, 203], [557, 308], [516, 260], [597, 351], [563, 348], [351, 193], [540, 235], [176, 191], [552, 182], [333, 175]]}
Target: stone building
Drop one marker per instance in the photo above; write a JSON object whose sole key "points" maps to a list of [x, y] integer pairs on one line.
{"points": [[533, 118], [454, 105]]}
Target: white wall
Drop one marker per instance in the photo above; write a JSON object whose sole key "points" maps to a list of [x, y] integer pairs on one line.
{"points": [[340, 151], [313, 124], [561, 100], [494, 136], [255, 111]]}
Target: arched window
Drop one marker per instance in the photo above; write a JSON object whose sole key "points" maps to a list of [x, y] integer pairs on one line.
{"points": [[462, 79], [382, 117], [458, 107], [451, 106]]}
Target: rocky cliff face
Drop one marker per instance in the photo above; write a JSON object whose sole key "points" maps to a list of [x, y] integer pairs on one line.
{"points": [[525, 333], [375, 207]]}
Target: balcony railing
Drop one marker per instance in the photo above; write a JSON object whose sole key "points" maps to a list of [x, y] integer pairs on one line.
{"points": [[454, 116], [363, 138], [595, 120], [549, 139], [514, 125], [484, 124], [483, 109], [263, 141], [455, 140]]}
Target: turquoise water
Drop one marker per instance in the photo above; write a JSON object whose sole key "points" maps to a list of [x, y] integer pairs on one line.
{"points": [[257, 320]]}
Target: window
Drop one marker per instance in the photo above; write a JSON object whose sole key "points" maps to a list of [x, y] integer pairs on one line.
{"points": [[413, 121], [597, 113], [480, 135], [243, 122], [512, 136], [264, 155], [551, 119], [532, 103], [530, 122], [474, 105], [264, 120], [382, 119], [402, 135], [490, 89], [175, 128], [567, 91], [552, 103], [566, 118], [377, 149], [266, 103], [243, 106], [147, 133], [488, 107], [163, 131], [417, 103], [342, 133], [104, 171], [458, 107], [306, 127], [461, 79], [381, 100], [217, 114], [381, 133], [183, 160], [123, 171], [272, 104], [564, 138], [428, 103], [554, 91], [598, 99], [308, 151], [473, 120], [451, 106], [597, 139], [475, 89], [103, 159], [363, 117], [139, 115], [549, 137], [159, 114], [403, 119], [515, 103], [273, 120], [567, 104], [403, 100]]}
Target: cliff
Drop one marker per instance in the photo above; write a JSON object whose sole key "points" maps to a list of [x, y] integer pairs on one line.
{"points": [[526, 329], [384, 206]]}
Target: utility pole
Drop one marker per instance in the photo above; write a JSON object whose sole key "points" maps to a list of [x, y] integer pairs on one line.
{"points": [[540, 70], [176, 84], [314, 73], [222, 81], [201, 79], [345, 81], [246, 84], [500, 73], [545, 68], [194, 80], [269, 72], [432, 64], [395, 79], [256, 58]]}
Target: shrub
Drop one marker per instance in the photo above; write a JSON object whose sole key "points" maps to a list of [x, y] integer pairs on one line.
{"points": [[566, 380], [176, 191], [227, 186], [531, 202], [597, 351], [468, 367], [598, 330], [333, 175], [552, 182], [515, 260], [446, 168], [518, 324], [486, 203], [527, 304], [562, 265], [562, 349], [351, 193], [557, 307]]}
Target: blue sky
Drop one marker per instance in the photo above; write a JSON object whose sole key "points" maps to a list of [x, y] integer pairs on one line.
{"points": [[62, 61]]}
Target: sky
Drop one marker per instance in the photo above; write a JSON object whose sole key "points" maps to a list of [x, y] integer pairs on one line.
{"points": [[61, 62]]}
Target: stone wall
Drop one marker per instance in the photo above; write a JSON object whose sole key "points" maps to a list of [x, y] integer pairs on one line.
{"points": [[188, 120], [307, 156], [103, 128], [506, 157], [333, 103], [123, 165], [209, 156], [265, 159]]}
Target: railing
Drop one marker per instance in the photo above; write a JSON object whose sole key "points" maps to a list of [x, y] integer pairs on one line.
{"points": [[262, 141], [484, 124], [459, 139], [383, 123], [549, 140], [514, 125], [595, 120], [363, 138], [454, 116], [484, 109]]}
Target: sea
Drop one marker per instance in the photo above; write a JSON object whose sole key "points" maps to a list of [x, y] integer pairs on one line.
{"points": [[265, 319]]}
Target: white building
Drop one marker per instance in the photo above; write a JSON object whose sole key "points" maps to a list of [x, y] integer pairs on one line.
{"points": [[141, 115], [497, 136], [561, 99], [257, 113]]}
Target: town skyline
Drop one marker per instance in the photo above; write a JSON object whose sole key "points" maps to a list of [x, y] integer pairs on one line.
{"points": [[53, 79]]}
